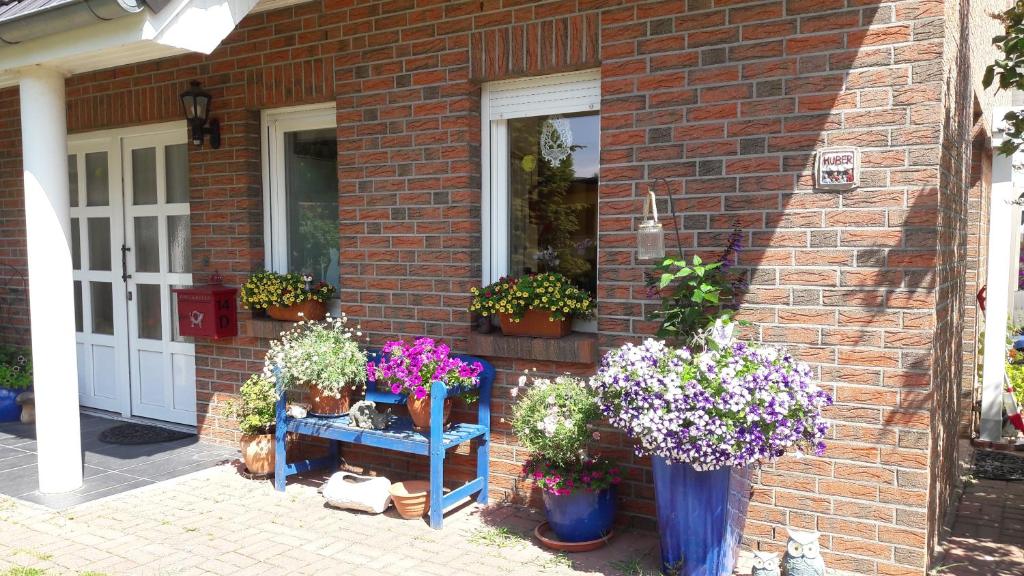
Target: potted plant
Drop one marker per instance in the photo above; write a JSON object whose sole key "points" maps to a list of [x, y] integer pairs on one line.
{"points": [[290, 297], [15, 377], [254, 411], [705, 415], [541, 305], [322, 358], [410, 369], [553, 419]]}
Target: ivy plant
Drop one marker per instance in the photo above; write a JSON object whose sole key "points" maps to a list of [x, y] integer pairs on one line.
{"points": [[1007, 72]]}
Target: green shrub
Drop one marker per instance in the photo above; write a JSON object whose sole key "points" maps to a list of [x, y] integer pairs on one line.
{"points": [[255, 407], [15, 368]]}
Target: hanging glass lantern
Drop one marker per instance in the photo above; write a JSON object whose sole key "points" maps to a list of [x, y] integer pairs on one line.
{"points": [[650, 241]]}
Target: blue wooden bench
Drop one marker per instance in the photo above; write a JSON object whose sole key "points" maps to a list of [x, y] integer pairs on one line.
{"points": [[399, 436]]}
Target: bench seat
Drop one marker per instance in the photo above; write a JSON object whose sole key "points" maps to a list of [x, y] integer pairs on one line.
{"points": [[399, 434]]}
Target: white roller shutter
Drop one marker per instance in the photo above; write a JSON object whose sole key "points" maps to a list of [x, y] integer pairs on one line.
{"points": [[568, 93]]}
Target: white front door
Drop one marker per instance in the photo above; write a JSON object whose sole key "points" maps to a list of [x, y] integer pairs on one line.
{"points": [[142, 367]]}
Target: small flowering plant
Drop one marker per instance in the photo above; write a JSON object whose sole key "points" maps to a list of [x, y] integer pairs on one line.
{"points": [[411, 368], [553, 419], [325, 354], [550, 291], [729, 404], [15, 369], [265, 289]]}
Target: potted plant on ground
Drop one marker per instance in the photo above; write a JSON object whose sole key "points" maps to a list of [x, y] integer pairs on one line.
{"points": [[541, 305], [410, 369], [290, 297], [705, 415], [323, 358], [554, 420], [15, 378], [254, 411]]}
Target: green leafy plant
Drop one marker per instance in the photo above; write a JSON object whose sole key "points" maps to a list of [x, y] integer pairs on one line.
{"points": [[549, 291], [255, 406], [265, 289], [554, 420], [1008, 72], [325, 354], [15, 368]]}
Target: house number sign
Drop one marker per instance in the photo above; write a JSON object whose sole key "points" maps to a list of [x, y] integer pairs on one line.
{"points": [[837, 168]]}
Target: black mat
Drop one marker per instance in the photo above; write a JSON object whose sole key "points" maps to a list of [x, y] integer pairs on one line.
{"points": [[141, 434], [998, 465]]}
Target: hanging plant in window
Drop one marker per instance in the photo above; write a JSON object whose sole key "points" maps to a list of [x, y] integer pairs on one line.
{"points": [[555, 140]]}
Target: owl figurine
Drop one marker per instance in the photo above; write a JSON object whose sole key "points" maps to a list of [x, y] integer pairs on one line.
{"points": [[803, 555], [765, 564]]}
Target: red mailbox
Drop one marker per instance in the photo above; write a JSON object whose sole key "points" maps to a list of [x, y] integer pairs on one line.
{"points": [[207, 311]]}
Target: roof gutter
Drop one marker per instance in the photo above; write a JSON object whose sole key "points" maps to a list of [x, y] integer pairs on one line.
{"points": [[64, 17]]}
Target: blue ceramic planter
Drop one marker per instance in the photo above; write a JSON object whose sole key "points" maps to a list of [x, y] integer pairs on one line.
{"points": [[700, 517], [9, 409], [581, 516]]}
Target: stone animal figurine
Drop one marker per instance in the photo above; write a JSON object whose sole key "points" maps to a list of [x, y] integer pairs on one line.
{"points": [[766, 564], [803, 555], [363, 414]]}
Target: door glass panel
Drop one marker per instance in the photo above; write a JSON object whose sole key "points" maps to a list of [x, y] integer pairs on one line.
{"points": [[99, 243], [73, 180], [176, 165], [102, 299], [311, 174], [76, 244], [144, 176], [552, 180], [149, 311], [78, 306], [179, 244], [97, 183], [147, 244]]}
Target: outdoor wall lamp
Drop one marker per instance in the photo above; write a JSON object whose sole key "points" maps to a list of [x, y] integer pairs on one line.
{"points": [[650, 239], [196, 103]]}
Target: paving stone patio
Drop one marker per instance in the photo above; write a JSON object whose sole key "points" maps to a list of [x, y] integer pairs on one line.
{"points": [[988, 537]]}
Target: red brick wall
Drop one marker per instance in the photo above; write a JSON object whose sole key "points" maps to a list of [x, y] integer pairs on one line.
{"points": [[13, 264], [726, 99]]}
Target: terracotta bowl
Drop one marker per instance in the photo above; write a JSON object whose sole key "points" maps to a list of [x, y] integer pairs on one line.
{"points": [[547, 537], [411, 498]]}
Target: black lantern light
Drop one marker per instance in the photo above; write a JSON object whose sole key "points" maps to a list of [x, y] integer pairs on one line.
{"points": [[196, 103]]}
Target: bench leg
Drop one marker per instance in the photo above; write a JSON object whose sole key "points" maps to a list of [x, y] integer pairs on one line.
{"points": [[334, 454], [436, 487], [280, 459], [483, 467]]}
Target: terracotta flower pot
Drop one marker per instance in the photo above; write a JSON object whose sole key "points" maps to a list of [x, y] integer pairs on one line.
{"points": [[411, 498], [308, 310], [536, 323], [258, 453], [419, 410], [322, 404]]}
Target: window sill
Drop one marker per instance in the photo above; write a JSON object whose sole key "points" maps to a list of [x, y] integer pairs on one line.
{"points": [[576, 348], [265, 328]]}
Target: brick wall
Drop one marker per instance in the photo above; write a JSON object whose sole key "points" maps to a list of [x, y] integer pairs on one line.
{"points": [[13, 263], [727, 100]]}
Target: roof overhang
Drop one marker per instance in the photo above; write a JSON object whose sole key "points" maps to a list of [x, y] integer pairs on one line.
{"points": [[181, 26]]}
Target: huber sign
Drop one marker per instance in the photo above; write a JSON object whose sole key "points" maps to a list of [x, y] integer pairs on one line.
{"points": [[837, 169]]}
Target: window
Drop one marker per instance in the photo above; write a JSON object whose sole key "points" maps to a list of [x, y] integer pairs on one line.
{"points": [[301, 192], [541, 167]]}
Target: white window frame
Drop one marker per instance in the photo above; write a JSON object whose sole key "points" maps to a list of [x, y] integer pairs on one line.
{"points": [[521, 98], [275, 123]]}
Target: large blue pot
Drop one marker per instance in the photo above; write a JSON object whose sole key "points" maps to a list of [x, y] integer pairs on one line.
{"points": [[582, 515], [9, 409], [700, 517]]}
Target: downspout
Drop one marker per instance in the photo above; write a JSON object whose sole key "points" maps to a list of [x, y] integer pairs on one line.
{"points": [[63, 17]]}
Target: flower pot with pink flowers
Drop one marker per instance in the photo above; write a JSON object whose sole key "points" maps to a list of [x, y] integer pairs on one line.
{"points": [[411, 368], [554, 420]]}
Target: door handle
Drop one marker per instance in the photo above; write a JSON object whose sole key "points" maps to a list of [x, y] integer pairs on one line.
{"points": [[124, 262]]}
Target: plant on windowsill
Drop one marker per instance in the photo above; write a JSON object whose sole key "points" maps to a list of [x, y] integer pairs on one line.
{"points": [[15, 377], [324, 359], [541, 305], [410, 369], [254, 410], [291, 297], [554, 420]]}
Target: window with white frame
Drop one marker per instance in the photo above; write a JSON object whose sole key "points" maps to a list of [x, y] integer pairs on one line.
{"points": [[541, 164], [300, 183]]}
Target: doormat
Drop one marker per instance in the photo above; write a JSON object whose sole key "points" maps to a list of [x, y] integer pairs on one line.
{"points": [[997, 465], [141, 434]]}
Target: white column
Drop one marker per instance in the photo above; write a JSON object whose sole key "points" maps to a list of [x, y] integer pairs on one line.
{"points": [[1000, 254], [44, 143]]}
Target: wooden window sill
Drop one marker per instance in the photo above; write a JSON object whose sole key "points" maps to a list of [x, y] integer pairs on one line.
{"points": [[261, 327], [576, 348]]}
